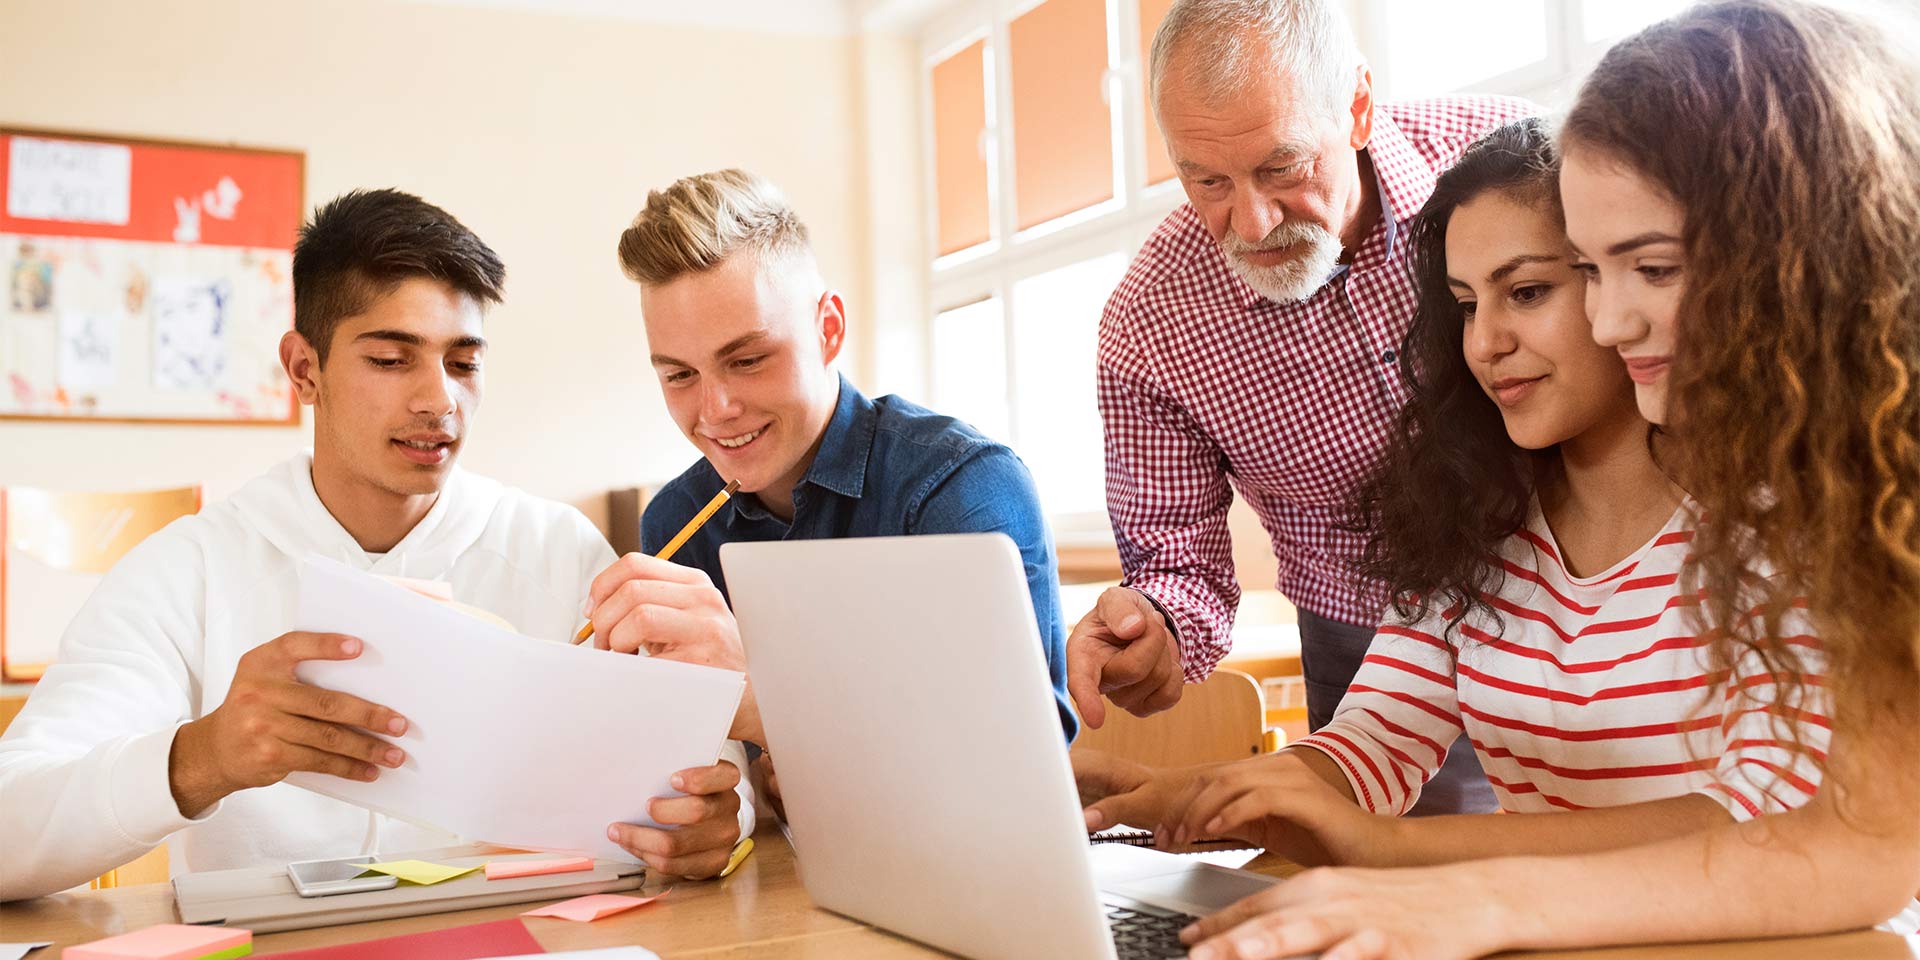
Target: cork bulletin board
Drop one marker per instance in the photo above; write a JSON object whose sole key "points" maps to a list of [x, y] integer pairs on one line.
{"points": [[147, 281]]}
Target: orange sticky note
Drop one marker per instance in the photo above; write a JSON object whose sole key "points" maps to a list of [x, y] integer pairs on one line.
{"points": [[587, 909], [507, 869], [168, 941]]}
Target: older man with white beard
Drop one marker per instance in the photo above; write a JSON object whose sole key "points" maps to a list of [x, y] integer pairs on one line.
{"points": [[1253, 346]]}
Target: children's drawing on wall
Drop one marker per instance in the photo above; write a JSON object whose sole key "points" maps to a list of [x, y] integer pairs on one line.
{"points": [[89, 350], [190, 328], [220, 202], [28, 335], [31, 288], [134, 290]]}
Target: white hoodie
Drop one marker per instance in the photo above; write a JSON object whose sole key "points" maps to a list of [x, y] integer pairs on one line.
{"points": [[83, 768]]}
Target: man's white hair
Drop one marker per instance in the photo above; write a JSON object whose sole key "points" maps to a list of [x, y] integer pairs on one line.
{"points": [[1223, 46]]}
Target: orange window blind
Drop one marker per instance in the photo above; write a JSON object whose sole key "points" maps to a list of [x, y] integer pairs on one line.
{"points": [[1062, 131], [959, 163], [1159, 168]]}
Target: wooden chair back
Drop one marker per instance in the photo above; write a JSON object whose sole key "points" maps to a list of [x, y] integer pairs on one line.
{"points": [[1222, 718], [54, 547]]}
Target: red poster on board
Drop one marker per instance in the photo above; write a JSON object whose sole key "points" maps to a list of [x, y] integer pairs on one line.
{"points": [[214, 196]]}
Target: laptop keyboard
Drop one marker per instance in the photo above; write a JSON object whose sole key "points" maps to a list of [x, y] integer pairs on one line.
{"points": [[1138, 935]]}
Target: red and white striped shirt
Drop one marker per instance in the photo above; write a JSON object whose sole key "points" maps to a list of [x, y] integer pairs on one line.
{"points": [[1205, 383], [1584, 692]]}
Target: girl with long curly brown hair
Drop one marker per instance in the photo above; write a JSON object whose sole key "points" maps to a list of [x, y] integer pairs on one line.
{"points": [[1743, 182]]}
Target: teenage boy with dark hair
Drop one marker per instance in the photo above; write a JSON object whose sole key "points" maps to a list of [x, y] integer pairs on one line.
{"points": [[172, 712]]}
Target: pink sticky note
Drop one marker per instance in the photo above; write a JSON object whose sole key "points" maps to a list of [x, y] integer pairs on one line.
{"points": [[168, 941], [507, 869], [586, 909]]}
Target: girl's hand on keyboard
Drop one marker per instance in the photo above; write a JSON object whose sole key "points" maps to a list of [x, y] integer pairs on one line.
{"points": [[1277, 802], [1116, 791], [1453, 912]]}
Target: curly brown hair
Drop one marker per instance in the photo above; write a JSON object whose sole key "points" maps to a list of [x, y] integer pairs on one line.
{"points": [[1789, 134]]}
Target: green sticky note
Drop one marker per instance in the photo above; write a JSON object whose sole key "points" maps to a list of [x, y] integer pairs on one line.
{"points": [[231, 953], [418, 871]]}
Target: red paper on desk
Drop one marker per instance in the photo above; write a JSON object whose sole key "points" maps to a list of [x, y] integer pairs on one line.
{"points": [[501, 938]]}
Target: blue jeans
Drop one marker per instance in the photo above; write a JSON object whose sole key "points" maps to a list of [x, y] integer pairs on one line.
{"points": [[1330, 654]]}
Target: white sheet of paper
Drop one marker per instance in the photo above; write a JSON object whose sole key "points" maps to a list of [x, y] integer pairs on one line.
{"points": [[529, 743], [1232, 859], [89, 349], [74, 181], [14, 951]]}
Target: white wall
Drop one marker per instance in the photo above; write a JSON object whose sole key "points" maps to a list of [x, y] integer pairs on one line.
{"points": [[541, 131]]}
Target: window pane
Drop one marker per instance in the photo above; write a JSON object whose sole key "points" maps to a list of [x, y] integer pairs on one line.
{"points": [[1159, 168], [1614, 19], [1435, 48], [1062, 128], [1056, 319], [970, 366], [959, 165]]}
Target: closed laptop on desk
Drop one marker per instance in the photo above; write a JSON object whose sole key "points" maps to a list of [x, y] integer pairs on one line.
{"points": [[262, 899]]}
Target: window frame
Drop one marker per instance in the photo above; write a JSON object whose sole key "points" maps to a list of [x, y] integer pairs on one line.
{"points": [[1571, 53], [994, 268]]}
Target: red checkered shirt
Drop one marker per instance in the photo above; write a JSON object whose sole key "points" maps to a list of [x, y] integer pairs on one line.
{"points": [[1206, 387]]}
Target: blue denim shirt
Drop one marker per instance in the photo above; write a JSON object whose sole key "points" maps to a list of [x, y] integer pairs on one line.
{"points": [[885, 467]]}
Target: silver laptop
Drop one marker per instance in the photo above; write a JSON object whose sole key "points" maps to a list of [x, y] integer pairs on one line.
{"points": [[921, 760]]}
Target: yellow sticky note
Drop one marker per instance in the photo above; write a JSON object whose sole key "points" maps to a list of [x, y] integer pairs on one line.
{"points": [[419, 871]]}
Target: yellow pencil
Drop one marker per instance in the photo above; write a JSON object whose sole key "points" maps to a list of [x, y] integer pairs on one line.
{"points": [[680, 539], [739, 856]]}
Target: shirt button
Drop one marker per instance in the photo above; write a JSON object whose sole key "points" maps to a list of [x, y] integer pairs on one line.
{"points": [[1388, 357]]}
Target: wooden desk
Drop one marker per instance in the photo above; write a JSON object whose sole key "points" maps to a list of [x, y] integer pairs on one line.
{"points": [[760, 911]]}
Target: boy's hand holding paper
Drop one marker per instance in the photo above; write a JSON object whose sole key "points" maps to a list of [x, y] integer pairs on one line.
{"points": [[705, 825], [271, 725], [505, 741]]}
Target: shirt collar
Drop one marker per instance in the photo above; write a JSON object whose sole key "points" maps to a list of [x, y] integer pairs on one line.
{"points": [[1406, 178], [1390, 223], [840, 464]]}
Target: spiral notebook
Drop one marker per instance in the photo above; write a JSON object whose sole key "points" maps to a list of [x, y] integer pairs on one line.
{"points": [[1135, 837]]}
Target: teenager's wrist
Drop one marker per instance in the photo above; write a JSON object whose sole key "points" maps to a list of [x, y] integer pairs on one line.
{"points": [[1498, 913], [192, 775], [1386, 841]]}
